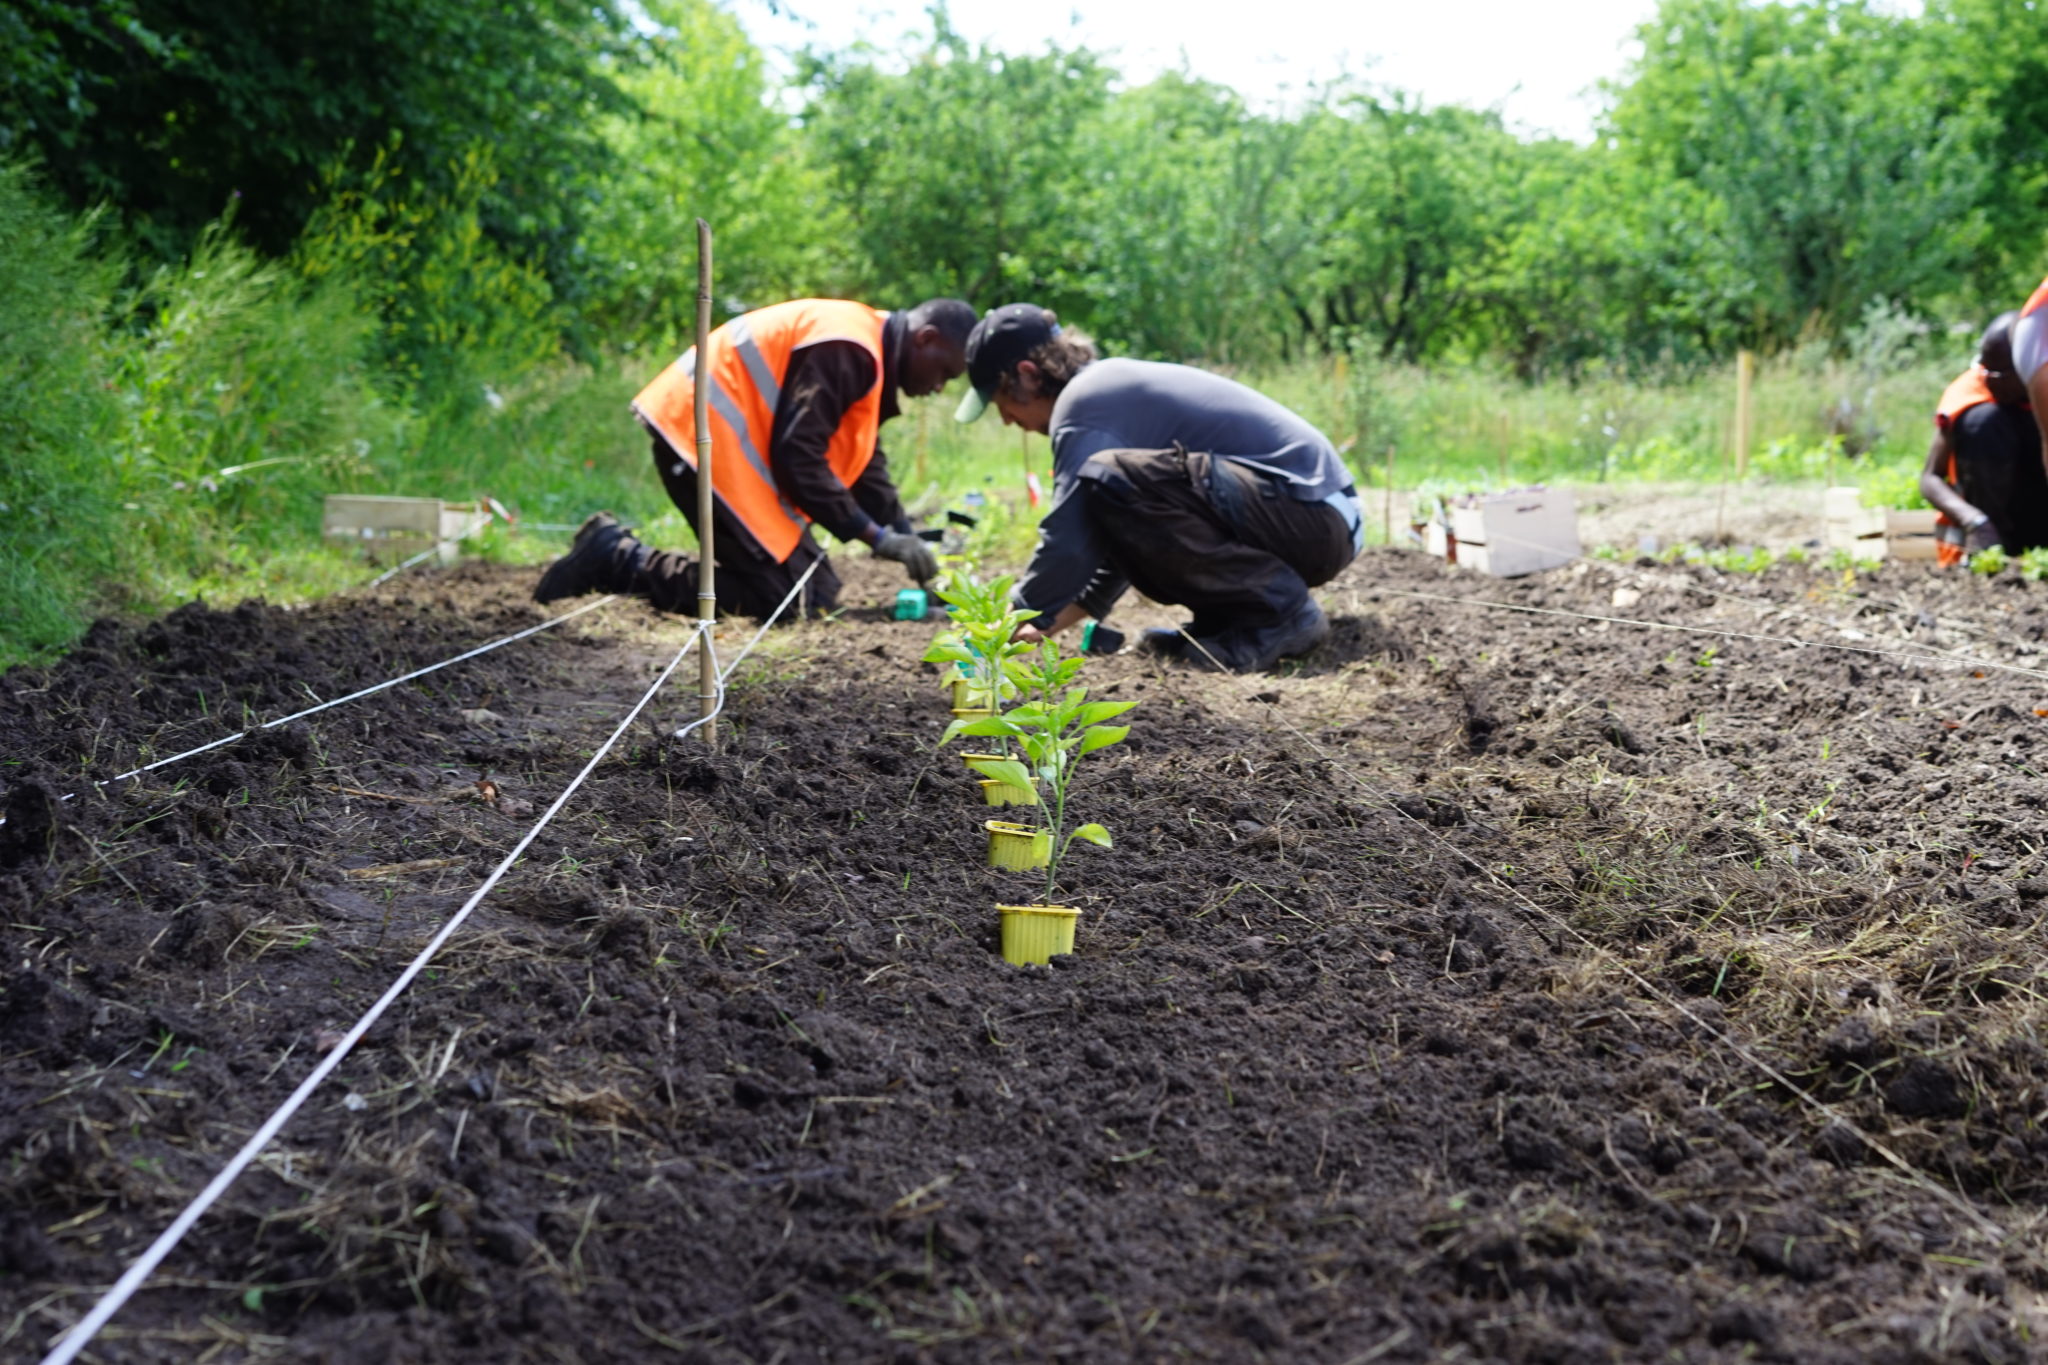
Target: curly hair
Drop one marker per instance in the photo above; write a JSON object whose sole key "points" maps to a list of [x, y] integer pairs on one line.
{"points": [[1058, 361]]}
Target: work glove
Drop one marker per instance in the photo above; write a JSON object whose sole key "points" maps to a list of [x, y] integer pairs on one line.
{"points": [[911, 552], [1982, 536]]}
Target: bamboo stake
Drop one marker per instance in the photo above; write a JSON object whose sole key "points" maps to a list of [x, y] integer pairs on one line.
{"points": [[1390, 494], [707, 587], [1745, 376]]}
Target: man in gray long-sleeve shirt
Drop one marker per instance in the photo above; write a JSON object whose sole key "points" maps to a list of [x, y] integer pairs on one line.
{"points": [[1191, 487]]}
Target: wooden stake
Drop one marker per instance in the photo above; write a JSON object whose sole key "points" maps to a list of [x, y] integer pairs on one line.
{"points": [[1745, 375], [707, 587], [1390, 494]]}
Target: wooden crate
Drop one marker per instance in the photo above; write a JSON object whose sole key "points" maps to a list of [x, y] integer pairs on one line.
{"points": [[393, 529], [1853, 527], [1520, 532], [1910, 535]]}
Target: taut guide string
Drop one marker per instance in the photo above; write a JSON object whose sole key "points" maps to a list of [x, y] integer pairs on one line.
{"points": [[549, 624], [132, 1279]]}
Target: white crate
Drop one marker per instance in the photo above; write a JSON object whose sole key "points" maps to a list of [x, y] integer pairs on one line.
{"points": [[399, 528], [1520, 532]]}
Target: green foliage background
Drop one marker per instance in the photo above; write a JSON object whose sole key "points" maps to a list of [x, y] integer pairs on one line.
{"points": [[249, 255]]}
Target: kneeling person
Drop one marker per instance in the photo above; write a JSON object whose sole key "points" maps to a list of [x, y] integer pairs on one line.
{"points": [[799, 392], [1984, 473], [1196, 490]]}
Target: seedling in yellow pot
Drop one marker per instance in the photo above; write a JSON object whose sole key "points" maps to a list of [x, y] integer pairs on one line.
{"points": [[1056, 726]]}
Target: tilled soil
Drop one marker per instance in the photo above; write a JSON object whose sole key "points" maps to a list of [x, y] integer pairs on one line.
{"points": [[1469, 991]]}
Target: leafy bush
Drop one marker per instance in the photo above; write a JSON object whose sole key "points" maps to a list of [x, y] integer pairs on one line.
{"points": [[58, 417]]}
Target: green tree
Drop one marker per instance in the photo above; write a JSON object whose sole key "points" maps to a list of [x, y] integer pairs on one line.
{"points": [[960, 172], [704, 141], [1841, 174], [172, 109]]}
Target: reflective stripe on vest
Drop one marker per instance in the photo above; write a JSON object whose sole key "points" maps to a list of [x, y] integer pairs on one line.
{"points": [[749, 358]]}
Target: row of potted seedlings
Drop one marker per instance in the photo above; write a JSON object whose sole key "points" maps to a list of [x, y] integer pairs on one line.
{"points": [[1025, 698]]}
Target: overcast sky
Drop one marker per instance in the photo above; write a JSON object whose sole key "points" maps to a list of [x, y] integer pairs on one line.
{"points": [[1536, 63]]}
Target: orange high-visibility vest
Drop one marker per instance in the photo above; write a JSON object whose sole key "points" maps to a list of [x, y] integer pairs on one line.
{"points": [[748, 359], [1966, 391]]}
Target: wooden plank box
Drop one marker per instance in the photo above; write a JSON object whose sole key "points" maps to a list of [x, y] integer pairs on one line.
{"points": [[1853, 527], [392, 529], [1910, 535], [1524, 531]]}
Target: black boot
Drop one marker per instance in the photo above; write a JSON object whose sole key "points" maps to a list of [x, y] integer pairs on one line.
{"points": [[1253, 649], [604, 557]]}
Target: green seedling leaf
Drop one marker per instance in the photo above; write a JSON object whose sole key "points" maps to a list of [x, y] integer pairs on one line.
{"points": [[1102, 736], [252, 1298], [980, 725], [1094, 834], [1096, 712], [1002, 770], [945, 652]]}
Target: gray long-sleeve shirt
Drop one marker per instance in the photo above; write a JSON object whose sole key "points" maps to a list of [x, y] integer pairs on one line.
{"points": [[1145, 405]]}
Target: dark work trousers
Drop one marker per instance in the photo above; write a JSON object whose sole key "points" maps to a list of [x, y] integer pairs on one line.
{"points": [[749, 582], [1998, 472], [1211, 535]]}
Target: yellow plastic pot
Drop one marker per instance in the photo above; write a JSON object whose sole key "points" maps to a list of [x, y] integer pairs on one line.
{"points": [[1017, 848], [1000, 793], [1034, 933], [971, 712], [967, 696]]}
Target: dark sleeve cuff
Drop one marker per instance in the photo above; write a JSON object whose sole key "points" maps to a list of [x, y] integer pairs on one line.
{"points": [[1102, 594]]}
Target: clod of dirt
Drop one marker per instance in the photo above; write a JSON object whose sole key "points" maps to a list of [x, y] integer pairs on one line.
{"points": [[1841, 1144], [31, 825], [1925, 1089], [1853, 1043], [1738, 1322]]}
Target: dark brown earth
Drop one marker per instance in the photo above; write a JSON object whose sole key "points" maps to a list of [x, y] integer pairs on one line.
{"points": [[1403, 1023]]}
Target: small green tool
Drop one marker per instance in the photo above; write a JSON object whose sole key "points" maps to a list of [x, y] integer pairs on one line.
{"points": [[912, 604]]}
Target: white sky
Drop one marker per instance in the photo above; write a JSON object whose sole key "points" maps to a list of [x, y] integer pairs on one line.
{"points": [[1537, 63]]}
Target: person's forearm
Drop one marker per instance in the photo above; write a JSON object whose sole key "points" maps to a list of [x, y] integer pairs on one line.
{"points": [[1066, 618], [1942, 496], [2037, 395]]}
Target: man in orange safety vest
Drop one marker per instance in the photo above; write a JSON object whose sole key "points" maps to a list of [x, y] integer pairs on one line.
{"points": [[798, 394]]}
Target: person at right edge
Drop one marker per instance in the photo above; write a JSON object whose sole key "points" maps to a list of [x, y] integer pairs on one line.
{"points": [[2030, 360], [1192, 488], [1984, 473]]}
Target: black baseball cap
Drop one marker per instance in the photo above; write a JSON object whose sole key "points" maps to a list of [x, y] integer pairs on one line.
{"points": [[1003, 337]]}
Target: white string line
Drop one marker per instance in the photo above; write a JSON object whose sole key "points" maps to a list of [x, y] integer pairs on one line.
{"points": [[124, 1288], [774, 615], [1912, 1173], [1938, 658], [398, 569], [1762, 607], [720, 675], [549, 624]]}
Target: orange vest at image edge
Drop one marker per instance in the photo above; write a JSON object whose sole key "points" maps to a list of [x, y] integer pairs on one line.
{"points": [[747, 360], [1966, 391]]}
